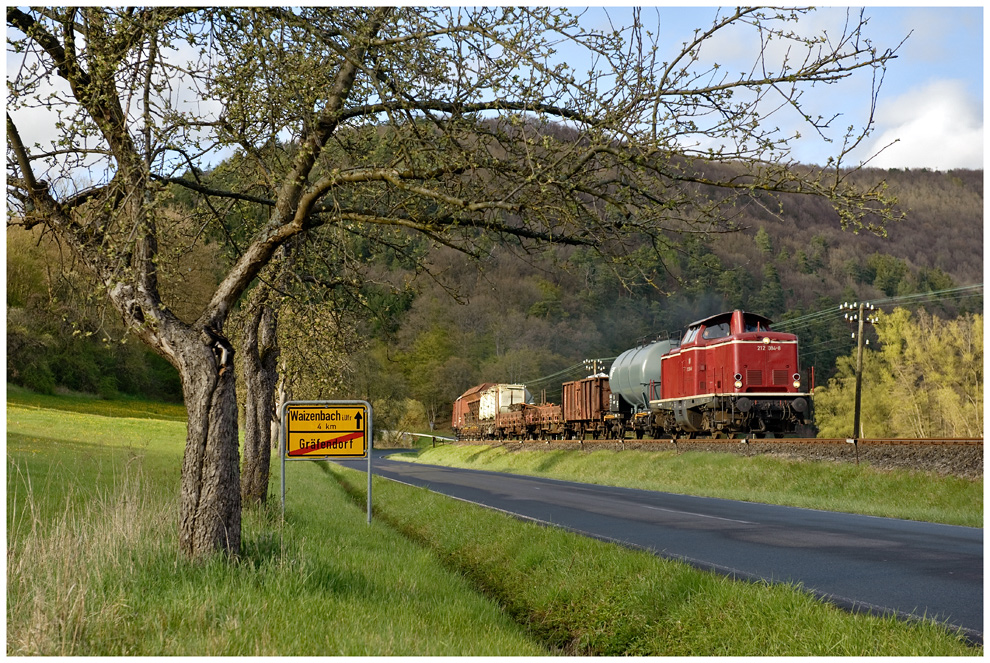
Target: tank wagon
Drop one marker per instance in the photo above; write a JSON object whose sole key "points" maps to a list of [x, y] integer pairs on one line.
{"points": [[635, 382], [729, 374]]}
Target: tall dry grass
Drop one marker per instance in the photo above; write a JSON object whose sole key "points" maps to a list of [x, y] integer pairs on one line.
{"points": [[61, 568]]}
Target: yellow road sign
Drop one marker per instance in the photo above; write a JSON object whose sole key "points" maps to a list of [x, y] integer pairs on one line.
{"points": [[326, 430]]}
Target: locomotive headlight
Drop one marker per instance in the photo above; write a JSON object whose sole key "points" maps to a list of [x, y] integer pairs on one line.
{"points": [[766, 339], [738, 384], [797, 384], [797, 380], [738, 380]]}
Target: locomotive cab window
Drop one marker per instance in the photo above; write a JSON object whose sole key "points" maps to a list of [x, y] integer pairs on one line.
{"points": [[692, 333], [717, 329]]}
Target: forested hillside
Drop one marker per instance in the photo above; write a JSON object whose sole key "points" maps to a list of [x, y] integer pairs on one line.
{"points": [[939, 241], [524, 318], [59, 336], [423, 338]]}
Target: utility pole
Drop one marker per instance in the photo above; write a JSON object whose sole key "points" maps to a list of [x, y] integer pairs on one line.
{"points": [[860, 318], [592, 365]]}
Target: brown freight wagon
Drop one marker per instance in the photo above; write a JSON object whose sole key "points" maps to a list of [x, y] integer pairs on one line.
{"points": [[585, 406], [545, 421], [465, 417], [511, 424]]}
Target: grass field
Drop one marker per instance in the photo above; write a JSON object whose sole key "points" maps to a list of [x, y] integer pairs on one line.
{"points": [[907, 494], [588, 597], [93, 568], [131, 408]]}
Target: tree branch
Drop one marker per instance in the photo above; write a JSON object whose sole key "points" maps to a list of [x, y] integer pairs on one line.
{"points": [[217, 193]]}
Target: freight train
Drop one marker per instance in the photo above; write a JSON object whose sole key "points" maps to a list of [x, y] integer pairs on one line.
{"points": [[729, 375]]}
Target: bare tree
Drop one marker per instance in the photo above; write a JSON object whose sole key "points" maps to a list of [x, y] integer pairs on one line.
{"points": [[455, 123]]}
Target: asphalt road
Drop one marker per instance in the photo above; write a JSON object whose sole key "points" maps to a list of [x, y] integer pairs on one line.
{"points": [[881, 565]]}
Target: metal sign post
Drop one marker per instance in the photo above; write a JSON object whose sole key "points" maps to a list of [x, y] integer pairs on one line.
{"points": [[326, 430]]}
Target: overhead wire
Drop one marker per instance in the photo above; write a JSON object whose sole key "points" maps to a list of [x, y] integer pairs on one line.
{"points": [[804, 321], [801, 322]]}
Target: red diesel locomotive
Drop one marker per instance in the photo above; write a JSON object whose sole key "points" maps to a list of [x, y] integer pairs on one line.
{"points": [[729, 375]]}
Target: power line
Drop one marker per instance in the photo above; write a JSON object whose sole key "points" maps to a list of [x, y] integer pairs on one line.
{"points": [[571, 371], [946, 293], [574, 371], [561, 373], [829, 344]]}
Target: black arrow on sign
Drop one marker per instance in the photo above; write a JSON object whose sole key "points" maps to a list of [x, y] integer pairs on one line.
{"points": [[357, 420]]}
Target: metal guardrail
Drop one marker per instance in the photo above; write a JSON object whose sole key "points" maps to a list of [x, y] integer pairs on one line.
{"points": [[434, 437]]}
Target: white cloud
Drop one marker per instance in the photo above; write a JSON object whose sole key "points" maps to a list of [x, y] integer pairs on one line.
{"points": [[938, 126]]}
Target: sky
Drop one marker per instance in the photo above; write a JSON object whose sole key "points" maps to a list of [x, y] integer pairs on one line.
{"points": [[930, 107], [933, 100]]}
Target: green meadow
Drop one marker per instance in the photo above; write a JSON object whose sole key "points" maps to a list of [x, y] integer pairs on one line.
{"points": [[93, 565], [93, 568]]}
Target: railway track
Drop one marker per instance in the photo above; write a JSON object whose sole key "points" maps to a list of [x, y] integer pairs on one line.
{"points": [[962, 457], [955, 441]]}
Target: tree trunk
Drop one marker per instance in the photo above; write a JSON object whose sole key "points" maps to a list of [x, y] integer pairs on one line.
{"points": [[210, 508], [210, 497], [259, 363]]}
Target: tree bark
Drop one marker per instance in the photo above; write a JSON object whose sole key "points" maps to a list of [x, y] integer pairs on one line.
{"points": [[210, 510], [259, 362]]}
